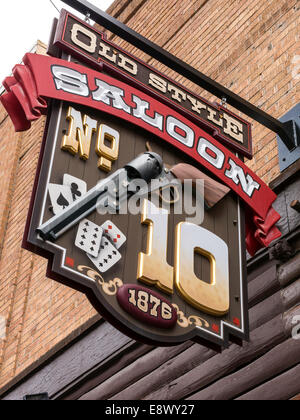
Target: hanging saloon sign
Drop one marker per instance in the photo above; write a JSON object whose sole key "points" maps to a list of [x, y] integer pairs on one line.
{"points": [[135, 203]]}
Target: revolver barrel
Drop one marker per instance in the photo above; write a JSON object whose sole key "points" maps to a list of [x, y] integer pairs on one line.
{"points": [[146, 166]]}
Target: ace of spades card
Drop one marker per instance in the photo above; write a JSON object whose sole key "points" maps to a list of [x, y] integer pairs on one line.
{"points": [[62, 196]]}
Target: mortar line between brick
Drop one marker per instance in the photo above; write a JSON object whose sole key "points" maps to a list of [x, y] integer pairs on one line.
{"points": [[134, 11], [219, 70], [19, 337], [11, 190], [122, 8], [3, 228], [186, 22], [26, 298], [174, 34], [242, 50], [26, 152], [15, 280], [129, 17], [4, 119], [14, 287]]}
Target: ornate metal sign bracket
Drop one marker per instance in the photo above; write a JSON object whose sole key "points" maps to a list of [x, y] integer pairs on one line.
{"points": [[288, 131]]}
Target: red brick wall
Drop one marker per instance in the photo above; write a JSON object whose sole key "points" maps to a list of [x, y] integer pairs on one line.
{"points": [[39, 312], [251, 47]]}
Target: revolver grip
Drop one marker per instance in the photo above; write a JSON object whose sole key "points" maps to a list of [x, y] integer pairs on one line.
{"points": [[213, 191]]}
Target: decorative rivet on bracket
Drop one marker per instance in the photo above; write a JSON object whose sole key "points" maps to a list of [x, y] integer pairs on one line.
{"points": [[224, 102]]}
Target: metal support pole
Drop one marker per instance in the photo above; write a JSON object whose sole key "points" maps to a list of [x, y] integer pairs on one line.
{"points": [[288, 131]]}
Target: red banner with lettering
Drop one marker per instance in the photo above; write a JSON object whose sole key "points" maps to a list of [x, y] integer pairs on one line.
{"points": [[42, 78]]}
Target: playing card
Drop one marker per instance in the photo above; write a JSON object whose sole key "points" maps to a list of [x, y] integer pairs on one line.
{"points": [[114, 234], [60, 196], [108, 256], [77, 186], [89, 237]]}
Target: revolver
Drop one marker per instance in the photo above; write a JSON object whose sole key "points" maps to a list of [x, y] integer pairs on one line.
{"points": [[147, 167]]}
